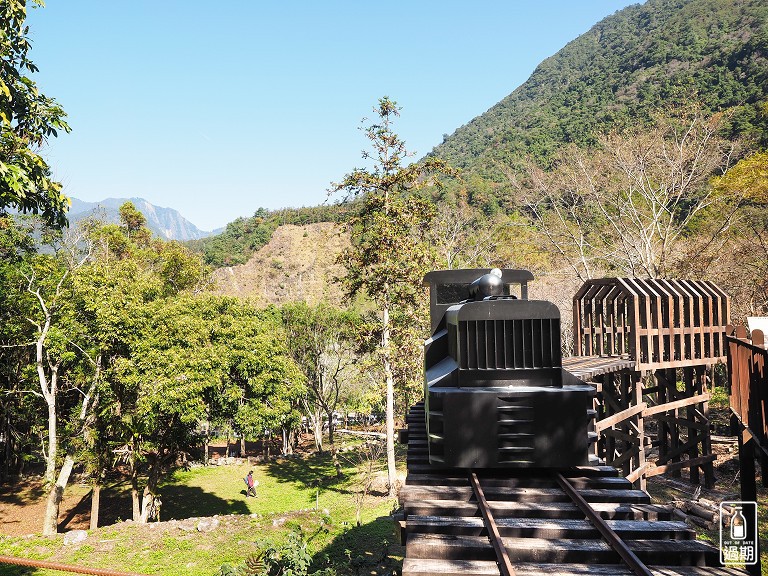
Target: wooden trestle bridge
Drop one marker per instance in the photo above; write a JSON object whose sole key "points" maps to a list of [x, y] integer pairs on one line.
{"points": [[648, 347]]}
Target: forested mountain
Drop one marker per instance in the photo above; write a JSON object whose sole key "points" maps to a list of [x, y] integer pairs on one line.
{"points": [[662, 54]]}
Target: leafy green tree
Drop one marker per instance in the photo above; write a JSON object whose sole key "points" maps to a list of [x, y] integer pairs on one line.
{"points": [[125, 300], [27, 120], [389, 257], [323, 342], [739, 261], [171, 366], [56, 332], [19, 416], [275, 387]]}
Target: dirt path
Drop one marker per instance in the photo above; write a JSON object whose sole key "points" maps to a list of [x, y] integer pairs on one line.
{"points": [[22, 506]]}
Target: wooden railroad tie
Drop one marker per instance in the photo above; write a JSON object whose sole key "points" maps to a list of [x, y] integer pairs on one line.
{"points": [[452, 519]]}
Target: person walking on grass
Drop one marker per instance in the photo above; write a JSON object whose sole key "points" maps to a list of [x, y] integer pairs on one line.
{"points": [[250, 484]]}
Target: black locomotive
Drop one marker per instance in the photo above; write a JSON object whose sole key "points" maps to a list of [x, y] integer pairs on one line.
{"points": [[496, 395]]}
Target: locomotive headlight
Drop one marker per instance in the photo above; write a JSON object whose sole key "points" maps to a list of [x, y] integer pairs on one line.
{"points": [[487, 285]]}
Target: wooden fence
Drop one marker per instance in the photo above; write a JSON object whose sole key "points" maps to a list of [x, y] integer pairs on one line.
{"points": [[748, 377], [748, 373]]}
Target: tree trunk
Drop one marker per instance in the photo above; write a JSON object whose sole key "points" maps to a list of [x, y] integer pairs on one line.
{"points": [[390, 415], [150, 490], [53, 444], [329, 414], [336, 462], [317, 430], [242, 446], [286, 443], [50, 520], [95, 501], [146, 502], [8, 448], [135, 494], [206, 443]]}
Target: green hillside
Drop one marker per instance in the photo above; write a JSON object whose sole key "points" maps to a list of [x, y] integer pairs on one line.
{"points": [[244, 236], [662, 53]]}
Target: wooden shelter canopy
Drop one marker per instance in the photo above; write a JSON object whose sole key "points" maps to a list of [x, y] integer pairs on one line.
{"points": [[658, 323]]}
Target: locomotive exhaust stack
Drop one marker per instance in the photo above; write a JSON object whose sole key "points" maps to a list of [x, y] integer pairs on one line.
{"points": [[496, 395]]}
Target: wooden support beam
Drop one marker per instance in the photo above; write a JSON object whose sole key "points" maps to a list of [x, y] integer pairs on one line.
{"points": [[680, 421], [656, 470], [625, 456], [650, 411], [748, 476], [620, 435], [619, 417], [637, 473], [682, 449]]}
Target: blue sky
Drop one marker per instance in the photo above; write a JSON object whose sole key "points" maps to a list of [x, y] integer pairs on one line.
{"points": [[216, 109]]}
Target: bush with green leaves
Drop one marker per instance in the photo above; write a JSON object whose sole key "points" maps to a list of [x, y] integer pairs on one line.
{"points": [[291, 558]]}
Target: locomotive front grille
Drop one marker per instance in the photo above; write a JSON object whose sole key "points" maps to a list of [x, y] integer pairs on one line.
{"points": [[505, 344], [516, 430]]}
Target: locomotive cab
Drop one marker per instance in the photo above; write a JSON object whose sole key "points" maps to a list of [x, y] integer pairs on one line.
{"points": [[496, 395]]}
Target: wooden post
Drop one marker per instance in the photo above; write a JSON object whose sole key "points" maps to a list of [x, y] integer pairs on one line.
{"points": [[691, 390], [706, 443], [748, 480], [637, 400], [626, 446], [663, 427]]}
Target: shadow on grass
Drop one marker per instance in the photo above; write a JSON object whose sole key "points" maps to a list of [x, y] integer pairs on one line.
{"points": [[12, 570], [315, 471], [370, 549], [181, 502], [21, 492], [178, 502]]}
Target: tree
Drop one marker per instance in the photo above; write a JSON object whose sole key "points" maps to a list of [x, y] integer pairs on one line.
{"points": [[462, 235], [19, 416], [27, 120], [388, 258], [322, 341], [739, 261], [628, 205], [49, 284], [271, 400], [127, 301]]}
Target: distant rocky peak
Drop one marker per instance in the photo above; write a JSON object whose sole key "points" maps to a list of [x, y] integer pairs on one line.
{"points": [[165, 223]]}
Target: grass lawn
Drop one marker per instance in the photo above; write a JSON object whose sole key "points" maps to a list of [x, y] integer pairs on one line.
{"points": [[293, 494]]}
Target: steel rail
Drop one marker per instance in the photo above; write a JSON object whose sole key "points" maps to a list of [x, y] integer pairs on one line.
{"points": [[64, 567], [502, 558], [614, 540]]}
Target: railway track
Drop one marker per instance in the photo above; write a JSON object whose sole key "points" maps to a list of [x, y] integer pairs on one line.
{"points": [[585, 520]]}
